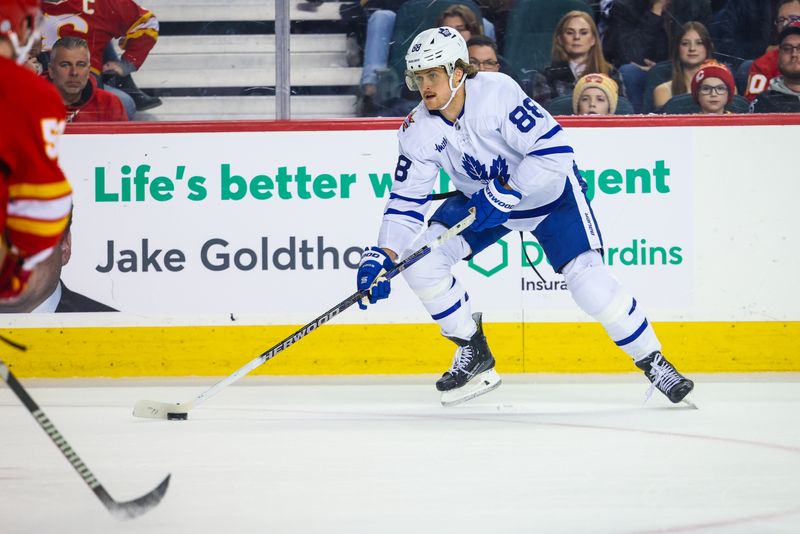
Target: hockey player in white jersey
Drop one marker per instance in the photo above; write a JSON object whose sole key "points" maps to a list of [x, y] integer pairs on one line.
{"points": [[511, 161]]}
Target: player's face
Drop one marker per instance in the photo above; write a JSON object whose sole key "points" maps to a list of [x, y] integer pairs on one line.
{"points": [[593, 101], [484, 58], [692, 50], [789, 57], [713, 95], [577, 37], [69, 70], [458, 24], [434, 86]]}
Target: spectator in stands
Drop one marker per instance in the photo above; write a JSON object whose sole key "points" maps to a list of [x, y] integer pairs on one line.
{"points": [[47, 292], [576, 51], [461, 18], [783, 95], [380, 27], [763, 69], [743, 29], [639, 36], [483, 53], [713, 87], [106, 20], [69, 70], [595, 94], [689, 52]]}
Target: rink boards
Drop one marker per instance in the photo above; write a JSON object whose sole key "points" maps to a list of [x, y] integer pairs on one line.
{"points": [[217, 240]]}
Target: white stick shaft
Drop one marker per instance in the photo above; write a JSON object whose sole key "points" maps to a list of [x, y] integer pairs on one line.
{"points": [[159, 410]]}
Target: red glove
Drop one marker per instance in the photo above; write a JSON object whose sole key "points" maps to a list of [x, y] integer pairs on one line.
{"points": [[13, 277]]}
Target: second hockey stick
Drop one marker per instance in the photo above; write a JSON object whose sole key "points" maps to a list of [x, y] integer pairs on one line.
{"points": [[179, 411], [121, 510]]}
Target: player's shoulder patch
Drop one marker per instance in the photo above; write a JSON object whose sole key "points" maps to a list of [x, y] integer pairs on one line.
{"points": [[408, 121]]}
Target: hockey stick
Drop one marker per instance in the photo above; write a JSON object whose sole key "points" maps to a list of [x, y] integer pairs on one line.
{"points": [[179, 411], [120, 510]]}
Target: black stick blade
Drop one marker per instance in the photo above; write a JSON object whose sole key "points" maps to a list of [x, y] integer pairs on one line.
{"points": [[136, 507]]}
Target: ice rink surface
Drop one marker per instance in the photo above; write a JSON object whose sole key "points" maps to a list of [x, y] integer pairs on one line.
{"points": [[545, 454]]}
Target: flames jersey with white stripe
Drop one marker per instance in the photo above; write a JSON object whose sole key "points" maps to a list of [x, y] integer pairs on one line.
{"points": [[35, 197], [98, 22], [501, 133]]}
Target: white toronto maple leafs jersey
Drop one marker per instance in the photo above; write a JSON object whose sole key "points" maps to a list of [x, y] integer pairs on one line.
{"points": [[501, 132]]}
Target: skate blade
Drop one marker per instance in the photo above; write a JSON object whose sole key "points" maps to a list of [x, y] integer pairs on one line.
{"points": [[481, 384], [690, 404]]}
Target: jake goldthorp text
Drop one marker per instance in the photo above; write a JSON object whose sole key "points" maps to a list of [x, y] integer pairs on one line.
{"points": [[217, 254]]}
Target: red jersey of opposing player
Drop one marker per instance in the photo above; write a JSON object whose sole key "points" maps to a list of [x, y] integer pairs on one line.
{"points": [[98, 22], [762, 70], [35, 197]]}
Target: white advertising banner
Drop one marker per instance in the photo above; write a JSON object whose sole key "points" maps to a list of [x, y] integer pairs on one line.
{"points": [[267, 227]]}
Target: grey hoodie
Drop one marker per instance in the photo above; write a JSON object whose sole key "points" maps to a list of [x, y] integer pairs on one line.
{"points": [[778, 84]]}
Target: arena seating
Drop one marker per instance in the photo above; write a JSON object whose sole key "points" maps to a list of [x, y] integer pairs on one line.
{"points": [[562, 105], [203, 68]]}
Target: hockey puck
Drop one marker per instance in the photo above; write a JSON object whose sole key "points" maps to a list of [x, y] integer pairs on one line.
{"points": [[177, 416]]}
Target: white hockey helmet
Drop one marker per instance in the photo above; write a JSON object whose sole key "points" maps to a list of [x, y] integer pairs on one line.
{"points": [[437, 47]]}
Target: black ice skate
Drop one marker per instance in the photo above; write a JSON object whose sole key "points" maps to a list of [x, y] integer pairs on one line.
{"points": [[665, 377], [472, 372]]}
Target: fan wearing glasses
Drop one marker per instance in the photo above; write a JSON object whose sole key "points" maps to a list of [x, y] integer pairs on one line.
{"points": [[765, 68], [713, 87], [483, 53], [783, 94]]}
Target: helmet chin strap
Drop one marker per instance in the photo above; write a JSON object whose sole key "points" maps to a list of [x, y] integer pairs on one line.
{"points": [[22, 50], [453, 90]]}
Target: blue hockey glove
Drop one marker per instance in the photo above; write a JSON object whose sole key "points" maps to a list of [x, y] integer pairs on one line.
{"points": [[374, 262], [493, 205]]}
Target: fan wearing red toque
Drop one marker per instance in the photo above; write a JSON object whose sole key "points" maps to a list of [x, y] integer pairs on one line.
{"points": [[713, 88]]}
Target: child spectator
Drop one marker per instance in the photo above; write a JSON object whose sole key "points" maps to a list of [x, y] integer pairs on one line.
{"points": [[783, 95], [689, 52], [595, 94], [713, 87], [69, 70], [763, 69], [576, 51]]}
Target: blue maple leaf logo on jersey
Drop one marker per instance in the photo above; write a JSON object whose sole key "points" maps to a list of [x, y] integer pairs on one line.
{"points": [[477, 170]]}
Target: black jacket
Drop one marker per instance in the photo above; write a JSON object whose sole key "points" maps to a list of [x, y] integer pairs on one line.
{"points": [[775, 102], [743, 29], [635, 33], [558, 80], [75, 302]]}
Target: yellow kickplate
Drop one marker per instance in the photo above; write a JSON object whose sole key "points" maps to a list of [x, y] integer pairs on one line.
{"points": [[390, 349]]}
